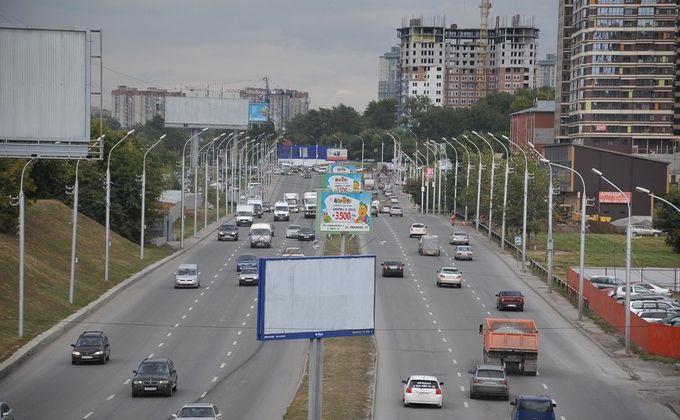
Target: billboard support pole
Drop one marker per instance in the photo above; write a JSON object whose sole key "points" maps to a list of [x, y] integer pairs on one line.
{"points": [[21, 249], [315, 400], [74, 232]]}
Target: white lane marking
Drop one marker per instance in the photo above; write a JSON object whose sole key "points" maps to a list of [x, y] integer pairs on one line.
{"points": [[222, 365], [469, 285], [430, 313], [214, 379], [477, 297], [450, 350], [221, 269], [212, 281], [177, 325], [252, 306], [418, 286], [191, 308], [215, 275], [562, 418], [444, 339], [465, 403], [161, 344], [421, 292], [228, 353], [247, 315], [234, 343], [110, 397], [196, 301], [473, 291], [439, 330], [462, 388], [88, 415], [204, 394], [545, 386], [488, 313], [184, 317], [202, 293], [150, 356], [427, 306], [127, 381], [168, 334], [243, 324], [483, 305], [207, 287], [455, 362], [459, 375], [239, 332], [225, 264], [255, 300], [434, 321]]}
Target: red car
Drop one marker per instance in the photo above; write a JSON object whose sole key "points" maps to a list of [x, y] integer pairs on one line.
{"points": [[510, 299]]}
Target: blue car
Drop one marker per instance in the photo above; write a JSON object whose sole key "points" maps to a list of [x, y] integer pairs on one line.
{"points": [[533, 407], [246, 260]]}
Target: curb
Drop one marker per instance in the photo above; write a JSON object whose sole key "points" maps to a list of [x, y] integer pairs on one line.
{"points": [[39, 342]]}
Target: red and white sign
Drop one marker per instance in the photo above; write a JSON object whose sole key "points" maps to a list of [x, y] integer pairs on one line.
{"points": [[429, 173], [336, 155], [614, 197], [600, 127]]}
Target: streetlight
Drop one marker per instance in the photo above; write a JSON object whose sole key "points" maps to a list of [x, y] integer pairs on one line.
{"points": [[652, 195], [493, 172], [22, 235], [524, 211], [429, 148], [505, 188], [582, 251], [550, 244], [362, 152], [184, 151], [107, 245], [467, 174], [479, 180], [422, 179], [455, 178], [141, 233], [438, 152], [205, 188], [629, 230]]}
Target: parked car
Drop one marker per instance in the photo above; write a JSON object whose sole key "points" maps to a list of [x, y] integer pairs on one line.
{"points": [[194, 411], [248, 276], [489, 380], [463, 252], [417, 230], [421, 389], [187, 275], [656, 289], [655, 317], [227, 231], [392, 269], [306, 234], [154, 376], [533, 407], [91, 346], [639, 306], [396, 211], [635, 290], [246, 260], [510, 299], [646, 231], [449, 276], [292, 252], [292, 231], [672, 320], [459, 238], [6, 413], [605, 281]]}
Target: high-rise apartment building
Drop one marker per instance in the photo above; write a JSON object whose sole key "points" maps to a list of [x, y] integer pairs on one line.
{"points": [[545, 72], [676, 113], [443, 63], [132, 106], [284, 104], [615, 73], [388, 74]]}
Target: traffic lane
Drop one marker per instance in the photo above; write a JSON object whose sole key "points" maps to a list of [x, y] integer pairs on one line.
{"points": [[567, 359]]}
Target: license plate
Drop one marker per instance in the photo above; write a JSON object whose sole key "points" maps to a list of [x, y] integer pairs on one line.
{"points": [[511, 305], [149, 388], [86, 357]]}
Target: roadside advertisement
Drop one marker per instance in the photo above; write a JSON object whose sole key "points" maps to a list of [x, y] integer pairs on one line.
{"points": [[429, 173], [614, 197], [258, 112], [342, 182], [342, 169], [336, 154], [343, 212]]}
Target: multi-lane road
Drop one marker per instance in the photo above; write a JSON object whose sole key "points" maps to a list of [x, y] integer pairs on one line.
{"points": [[209, 334]]}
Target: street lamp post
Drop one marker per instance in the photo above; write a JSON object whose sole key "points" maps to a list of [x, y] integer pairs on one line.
{"points": [[491, 182], [205, 188], [505, 188], [455, 177], [550, 243], [479, 180], [107, 245], [629, 230], [524, 211], [184, 151], [652, 195], [467, 174], [143, 226], [437, 151], [362, 153], [22, 237], [422, 181]]}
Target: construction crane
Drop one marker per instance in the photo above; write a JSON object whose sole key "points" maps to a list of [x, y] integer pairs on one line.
{"points": [[483, 62]]}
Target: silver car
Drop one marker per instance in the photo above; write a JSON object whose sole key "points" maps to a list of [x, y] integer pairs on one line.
{"points": [[187, 275], [203, 411], [489, 380], [463, 252], [248, 276], [459, 238], [292, 231]]}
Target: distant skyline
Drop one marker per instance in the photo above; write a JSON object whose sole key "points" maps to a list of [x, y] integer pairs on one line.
{"points": [[329, 49]]}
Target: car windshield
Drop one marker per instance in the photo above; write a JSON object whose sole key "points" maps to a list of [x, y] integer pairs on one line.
{"points": [[154, 368], [249, 271], [417, 225], [189, 412], [281, 208], [292, 251], [306, 230], [491, 373], [511, 293], [538, 406], [450, 271], [186, 272], [260, 232], [460, 234], [396, 208], [89, 341], [424, 384], [227, 227], [294, 227], [463, 248], [247, 258], [243, 213], [392, 262]]}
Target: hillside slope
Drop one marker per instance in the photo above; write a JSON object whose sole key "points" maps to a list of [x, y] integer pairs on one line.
{"points": [[48, 254]]}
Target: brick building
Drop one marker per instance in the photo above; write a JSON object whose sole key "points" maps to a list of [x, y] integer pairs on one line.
{"points": [[535, 125]]}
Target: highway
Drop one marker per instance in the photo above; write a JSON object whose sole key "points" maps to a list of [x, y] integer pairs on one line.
{"points": [[422, 329], [208, 332]]}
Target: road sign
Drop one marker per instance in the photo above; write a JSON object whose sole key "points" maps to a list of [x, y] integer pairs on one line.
{"points": [[429, 173], [518, 240], [343, 212]]}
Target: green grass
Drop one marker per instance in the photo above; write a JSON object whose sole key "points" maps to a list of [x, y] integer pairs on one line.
{"points": [[48, 256], [348, 364], [605, 250]]}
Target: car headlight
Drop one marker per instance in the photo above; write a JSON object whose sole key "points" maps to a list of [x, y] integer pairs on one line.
{"points": [[163, 382], [75, 353], [99, 352], [137, 382]]}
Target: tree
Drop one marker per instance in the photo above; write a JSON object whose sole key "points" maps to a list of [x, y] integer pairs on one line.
{"points": [[380, 114], [668, 220]]}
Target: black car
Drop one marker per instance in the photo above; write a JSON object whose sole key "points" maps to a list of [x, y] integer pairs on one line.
{"points": [[154, 376], [267, 207], [392, 269], [306, 234], [227, 232], [91, 346]]}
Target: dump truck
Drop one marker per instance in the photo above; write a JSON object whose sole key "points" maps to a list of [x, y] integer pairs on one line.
{"points": [[512, 343]]}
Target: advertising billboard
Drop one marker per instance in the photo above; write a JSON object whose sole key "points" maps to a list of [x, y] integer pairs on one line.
{"points": [[342, 182], [429, 173], [342, 169], [196, 112], [614, 197], [315, 297], [258, 112], [336, 155], [338, 212]]}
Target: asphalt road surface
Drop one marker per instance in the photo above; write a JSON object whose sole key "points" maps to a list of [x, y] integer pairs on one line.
{"points": [[208, 332], [422, 329]]}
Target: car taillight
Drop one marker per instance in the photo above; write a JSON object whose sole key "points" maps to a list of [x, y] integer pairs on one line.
{"points": [[504, 381], [439, 391], [408, 390], [476, 381]]}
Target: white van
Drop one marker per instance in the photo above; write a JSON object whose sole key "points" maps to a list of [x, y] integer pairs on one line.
{"points": [[244, 214], [281, 211], [261, 235]]}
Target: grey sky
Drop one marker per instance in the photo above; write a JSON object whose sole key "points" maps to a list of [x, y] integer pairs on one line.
{"points": [[328, 48]]}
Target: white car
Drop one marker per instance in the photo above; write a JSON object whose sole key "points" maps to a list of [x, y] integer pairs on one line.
{"points": [[292, 231], [292, 252], [449, 276], [639, 306], [394, 200], [637, 290], [187, 275], [422, 389], [663, 291], [463, 252], [417, 230], [646, 231], [396, 211], [385, 209], [199, 410]]}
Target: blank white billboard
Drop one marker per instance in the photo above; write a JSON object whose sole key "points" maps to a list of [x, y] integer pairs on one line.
{"points": [[44, 86], [314, 297], [193, 112]]}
